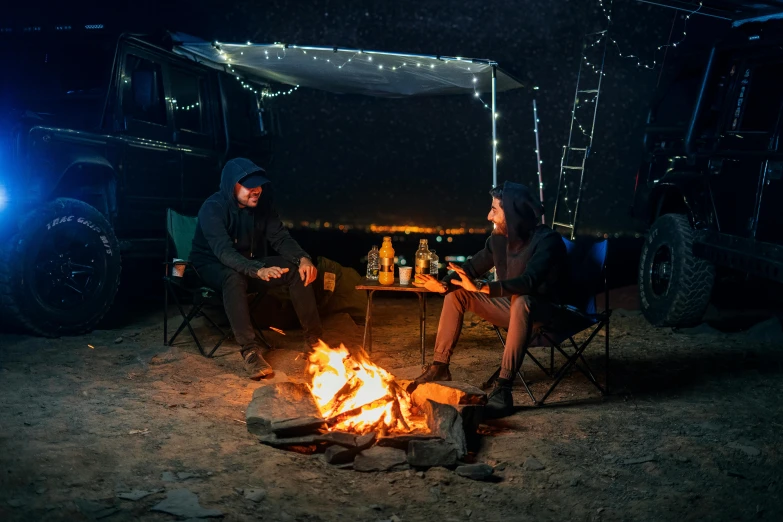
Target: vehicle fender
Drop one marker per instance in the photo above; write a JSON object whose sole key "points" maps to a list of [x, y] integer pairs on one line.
{"points": [[668, 198], [91, 178]]}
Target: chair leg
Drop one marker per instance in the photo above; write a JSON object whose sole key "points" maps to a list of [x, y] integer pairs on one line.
{"points": [[262, 337], [186, 318], [572, 362], [489, 382], [223, 334], [527, 389], [606, 358], [500, 336], [165, 312]]}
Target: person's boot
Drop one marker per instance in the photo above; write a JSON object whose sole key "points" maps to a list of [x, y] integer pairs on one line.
{"points": [[255, 364], [434, 372], [500, 401]]}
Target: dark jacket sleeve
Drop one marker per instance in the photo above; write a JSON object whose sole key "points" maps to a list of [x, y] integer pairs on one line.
{"points": [[476, 266], [211, 219], [281, 240], [548, 255]]}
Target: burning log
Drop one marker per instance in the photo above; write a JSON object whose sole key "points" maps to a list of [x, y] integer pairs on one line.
{"points": [[353, 394], [337, 419]]}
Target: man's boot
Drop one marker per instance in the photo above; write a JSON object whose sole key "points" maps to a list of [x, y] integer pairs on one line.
{"points": [[434, 372], [255, 364], [500, 401]]}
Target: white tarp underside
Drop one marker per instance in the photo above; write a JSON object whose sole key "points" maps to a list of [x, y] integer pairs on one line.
{"points": [[350, 71]]}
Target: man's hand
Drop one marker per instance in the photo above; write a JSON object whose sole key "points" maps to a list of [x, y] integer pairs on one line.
{"points": [[431, 283], [307, 271], [465, 281], [272, 272]]}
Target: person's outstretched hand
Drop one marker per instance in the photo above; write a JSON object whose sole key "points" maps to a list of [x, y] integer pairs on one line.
{"points": [[272, 272], [465, 281], [431, 283]]}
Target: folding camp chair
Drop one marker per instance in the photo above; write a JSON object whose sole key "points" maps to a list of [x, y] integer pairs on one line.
{"points": [[180, 230], [588, 273]]}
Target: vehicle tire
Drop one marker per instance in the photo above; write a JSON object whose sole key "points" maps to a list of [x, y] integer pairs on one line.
{"points": [[60, 271], [674, 285]]}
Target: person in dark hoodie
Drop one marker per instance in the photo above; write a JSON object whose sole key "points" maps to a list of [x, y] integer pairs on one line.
{"points": [[230, 252], [531, 266]]}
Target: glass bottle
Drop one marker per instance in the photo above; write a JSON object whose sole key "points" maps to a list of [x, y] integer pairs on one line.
{"points": [[386, 273], [434, 264], [373, 263], [422, 258]]}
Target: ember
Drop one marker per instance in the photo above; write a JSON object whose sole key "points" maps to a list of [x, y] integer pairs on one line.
{"points": [[353, 394]]}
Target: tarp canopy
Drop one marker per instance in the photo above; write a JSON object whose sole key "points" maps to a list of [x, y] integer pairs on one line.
{"points": [[350, 71], [725, 9]]}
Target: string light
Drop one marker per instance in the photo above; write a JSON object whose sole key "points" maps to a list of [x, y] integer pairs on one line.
{"points": [[655, 54], [269, 94]]}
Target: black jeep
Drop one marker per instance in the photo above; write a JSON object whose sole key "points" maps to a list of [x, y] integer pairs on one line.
{"points": [[711, 186], [99, 134]]}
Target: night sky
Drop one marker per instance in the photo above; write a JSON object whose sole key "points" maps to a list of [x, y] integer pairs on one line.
{"points": [[427, 161]]}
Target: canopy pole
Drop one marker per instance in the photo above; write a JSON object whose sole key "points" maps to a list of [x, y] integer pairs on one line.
{"points": [[538, 158], [494, 129]]}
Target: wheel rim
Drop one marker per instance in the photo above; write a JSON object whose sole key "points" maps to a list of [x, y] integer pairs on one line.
{"points": [[68, 268], [661, 271]]}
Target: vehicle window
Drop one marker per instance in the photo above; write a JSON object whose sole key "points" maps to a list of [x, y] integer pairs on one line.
{"points": [[757, 100], [187, 92], [143, 97]]}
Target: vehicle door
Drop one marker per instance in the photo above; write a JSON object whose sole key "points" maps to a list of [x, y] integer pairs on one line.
{"points": [[194, 94], [746, 143], [151, 177]]}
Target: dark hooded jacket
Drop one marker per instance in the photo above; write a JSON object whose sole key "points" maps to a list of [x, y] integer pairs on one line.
{"points": [[238, 237], [532, 260]]}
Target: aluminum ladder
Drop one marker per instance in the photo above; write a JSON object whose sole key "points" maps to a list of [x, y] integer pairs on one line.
{"points": [[580, 137]]}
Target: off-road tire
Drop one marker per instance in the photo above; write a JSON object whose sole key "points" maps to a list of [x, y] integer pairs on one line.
{"points": [[691, 279], [26, 296]]}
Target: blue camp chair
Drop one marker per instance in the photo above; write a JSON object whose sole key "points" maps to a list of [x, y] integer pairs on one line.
{"points": [[588, 276]]}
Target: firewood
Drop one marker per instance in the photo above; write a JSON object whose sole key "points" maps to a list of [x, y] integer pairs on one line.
{"points": [[340, 417]]}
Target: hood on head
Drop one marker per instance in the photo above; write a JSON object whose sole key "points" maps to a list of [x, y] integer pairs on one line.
{"points": [[236, 169], [523, 212]]}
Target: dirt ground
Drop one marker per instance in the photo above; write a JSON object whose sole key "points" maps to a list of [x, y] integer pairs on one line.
{"points": [[692, 431]]}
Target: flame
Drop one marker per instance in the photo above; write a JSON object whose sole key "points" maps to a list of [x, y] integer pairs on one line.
{"points": [[356, 394]]}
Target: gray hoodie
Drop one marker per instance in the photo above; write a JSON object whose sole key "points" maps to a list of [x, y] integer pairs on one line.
{"points": [[238, 237]]}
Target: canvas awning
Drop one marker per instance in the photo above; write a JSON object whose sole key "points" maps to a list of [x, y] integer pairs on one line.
{"points": [[352, 71], [356, 71]]}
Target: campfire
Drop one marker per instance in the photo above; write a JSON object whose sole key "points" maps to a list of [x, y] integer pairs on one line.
{"points": [[354, 394], [358, 416]]}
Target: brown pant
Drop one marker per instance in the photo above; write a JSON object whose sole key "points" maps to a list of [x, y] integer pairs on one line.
{"points": [[516, 314]]}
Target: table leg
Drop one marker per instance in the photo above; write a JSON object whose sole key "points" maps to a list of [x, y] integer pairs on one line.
{"points": [[422, 323], [367, 340]]}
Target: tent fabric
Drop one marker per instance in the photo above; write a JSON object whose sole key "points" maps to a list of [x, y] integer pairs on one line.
{"points": [[351, 71]]}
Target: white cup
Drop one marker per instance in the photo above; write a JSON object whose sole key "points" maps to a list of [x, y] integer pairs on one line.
{"points": [[178, 267], [405, 274]]}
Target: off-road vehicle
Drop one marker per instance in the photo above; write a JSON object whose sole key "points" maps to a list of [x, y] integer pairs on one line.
{"points": [[711, 185], [99, 134]]}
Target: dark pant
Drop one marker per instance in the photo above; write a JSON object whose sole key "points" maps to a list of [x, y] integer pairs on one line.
{"points": [[517, 314], [236, 286]]}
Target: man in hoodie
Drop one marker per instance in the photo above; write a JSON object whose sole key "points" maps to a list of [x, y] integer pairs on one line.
{"points": [[531, 266], [230, 252]]}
